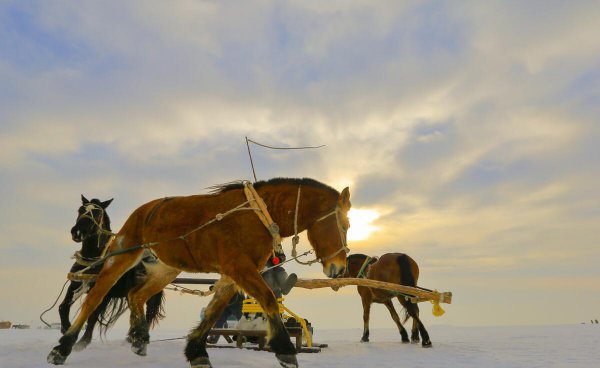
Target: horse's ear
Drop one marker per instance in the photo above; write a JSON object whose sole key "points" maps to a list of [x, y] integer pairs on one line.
{"points": [[84, 200], [106, 203], [344, 199]]}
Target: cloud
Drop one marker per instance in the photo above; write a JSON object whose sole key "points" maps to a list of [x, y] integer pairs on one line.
{"points": [[471, 127]]}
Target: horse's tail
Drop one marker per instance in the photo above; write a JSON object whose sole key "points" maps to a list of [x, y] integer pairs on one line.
{"points": [[406, 275], [407, 279], [155, 308], [117, 303], [107, 317], [117, 300]]}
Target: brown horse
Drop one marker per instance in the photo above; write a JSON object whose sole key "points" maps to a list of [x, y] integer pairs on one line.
{"points": [[218, 232], [396, 268]]}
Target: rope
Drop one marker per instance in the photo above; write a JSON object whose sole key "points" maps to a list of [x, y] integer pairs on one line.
{"points": [[173, 338], [218, 217], [56, 301], [288, 260], [296, 238], [271, 147], [184, 290], [284, 148]]}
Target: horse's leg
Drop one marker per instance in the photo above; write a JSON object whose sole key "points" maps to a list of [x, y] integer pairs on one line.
{"points": [[65, 306], [110, 274], [155, 308], [403, 333], [278, 338], [195, 349], [158, 276], [86, 339], [367, 300], [413, 310], [414, 333]]}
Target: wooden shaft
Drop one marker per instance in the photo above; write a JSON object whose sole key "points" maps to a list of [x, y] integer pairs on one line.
{"points": [[419, 294], [186, 280]]}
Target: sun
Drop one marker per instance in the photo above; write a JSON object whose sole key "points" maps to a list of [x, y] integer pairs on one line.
{"points": [[360, 223]]}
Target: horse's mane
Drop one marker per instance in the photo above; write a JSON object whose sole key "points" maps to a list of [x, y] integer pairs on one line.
{"points": [[218, 189]]}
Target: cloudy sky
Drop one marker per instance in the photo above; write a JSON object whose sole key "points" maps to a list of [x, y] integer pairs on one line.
{"points": [[472, 128]]}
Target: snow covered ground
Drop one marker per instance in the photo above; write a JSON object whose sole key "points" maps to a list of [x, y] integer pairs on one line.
{"points": [[481, 347]]}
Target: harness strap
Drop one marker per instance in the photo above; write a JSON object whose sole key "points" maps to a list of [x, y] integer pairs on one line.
{"points": [[260, 208], [84, 261], [296, 238], [74, 276], [361, 272], [155, 208]]}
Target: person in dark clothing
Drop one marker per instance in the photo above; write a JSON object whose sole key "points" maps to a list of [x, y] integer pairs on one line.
{"points": [[233, 308], [275, 276]]}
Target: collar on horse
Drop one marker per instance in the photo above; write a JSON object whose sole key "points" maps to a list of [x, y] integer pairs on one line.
{"points": [[361, 273], [260, 209]]}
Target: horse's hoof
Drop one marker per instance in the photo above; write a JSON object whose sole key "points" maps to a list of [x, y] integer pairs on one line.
{"points": [[287, 360], [405, 341], [427, 344], [56, 358], [81, 345], [201, 362], [415, 341], [139, 348], [364, 340], [212, 339]]}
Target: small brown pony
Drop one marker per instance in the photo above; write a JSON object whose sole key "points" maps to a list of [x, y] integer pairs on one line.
{"points": [[396, 268], [201, 233]]}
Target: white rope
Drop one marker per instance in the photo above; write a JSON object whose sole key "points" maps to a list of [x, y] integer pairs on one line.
{"points": [[296, 238]]}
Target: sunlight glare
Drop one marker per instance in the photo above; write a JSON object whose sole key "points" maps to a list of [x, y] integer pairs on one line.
{"points": [[360, 223]]}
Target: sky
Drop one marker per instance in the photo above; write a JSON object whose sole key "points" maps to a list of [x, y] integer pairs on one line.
{"points": [[468, 131]]}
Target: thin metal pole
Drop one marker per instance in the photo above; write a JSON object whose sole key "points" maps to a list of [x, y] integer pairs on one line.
{"points": [[251, 163], [248, 141]]}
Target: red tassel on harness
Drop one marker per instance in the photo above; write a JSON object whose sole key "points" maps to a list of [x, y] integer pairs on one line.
{"points": [[276, 260]]}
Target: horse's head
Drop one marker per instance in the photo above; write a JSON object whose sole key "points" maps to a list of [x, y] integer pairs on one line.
{"points": [[91, 217], [327, 235]]}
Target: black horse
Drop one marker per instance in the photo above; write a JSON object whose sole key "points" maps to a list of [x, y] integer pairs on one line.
{"points": [[92, 229]]}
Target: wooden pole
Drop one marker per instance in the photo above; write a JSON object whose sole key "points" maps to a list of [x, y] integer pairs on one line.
{"points": [[186, 280], [415, 293]]}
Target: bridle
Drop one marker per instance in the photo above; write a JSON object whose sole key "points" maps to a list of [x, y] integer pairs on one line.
{"points": [[89, 214], [341, 231]]}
